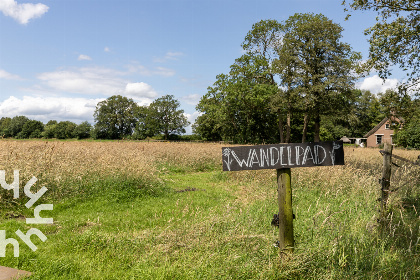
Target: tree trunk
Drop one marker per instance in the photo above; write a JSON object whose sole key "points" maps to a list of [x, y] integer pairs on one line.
{"points": [[281, 128], [305, 127], [288, 127], [317, 127]]}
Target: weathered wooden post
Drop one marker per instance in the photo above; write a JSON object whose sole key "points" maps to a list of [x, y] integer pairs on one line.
{"points": [[283, 157], [385, 180], [284, 184]]}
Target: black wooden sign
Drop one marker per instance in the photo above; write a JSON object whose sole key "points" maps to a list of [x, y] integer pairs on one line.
{"points": [[282, 156]]}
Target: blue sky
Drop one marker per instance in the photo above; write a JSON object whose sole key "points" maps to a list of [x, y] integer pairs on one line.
{"points": [[59, 58]]}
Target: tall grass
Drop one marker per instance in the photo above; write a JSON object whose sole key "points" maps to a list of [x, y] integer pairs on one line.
{"points": [[134, 210]]}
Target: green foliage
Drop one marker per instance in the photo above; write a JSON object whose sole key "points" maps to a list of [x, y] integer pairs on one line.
{"points": [[64, 130], [4, 126], [409, 135], [115, 117], [298, 68], [49, 129], [32, 129], [367, 111], [83, 130], [16, 125], [317, 65], [161, 116], [238, 106], [394, 38], [238, 110], [331, 131], [206, 127], [143, 129]]}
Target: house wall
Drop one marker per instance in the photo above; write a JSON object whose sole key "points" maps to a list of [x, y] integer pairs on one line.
{"points": [[386, 135]]}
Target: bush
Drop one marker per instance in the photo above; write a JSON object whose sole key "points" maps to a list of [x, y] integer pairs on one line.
{"points": [[32, 129], [36, 134], [49, 131], [83, 130], [409, 135], [16, 125], [65, 130]]}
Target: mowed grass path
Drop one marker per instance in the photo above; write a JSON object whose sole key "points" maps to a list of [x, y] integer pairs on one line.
{"points": [[176, 215]]}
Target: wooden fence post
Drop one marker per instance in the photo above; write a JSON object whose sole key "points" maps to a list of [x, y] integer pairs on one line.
{"points": [[385, 180], [283, 157], [286, 239]]}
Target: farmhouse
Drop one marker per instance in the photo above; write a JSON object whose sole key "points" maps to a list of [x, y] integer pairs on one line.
{"points": [[383, 131]]}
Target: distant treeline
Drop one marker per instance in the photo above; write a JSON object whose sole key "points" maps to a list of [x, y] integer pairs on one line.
{"points": [[117, 117], [21, 127]]}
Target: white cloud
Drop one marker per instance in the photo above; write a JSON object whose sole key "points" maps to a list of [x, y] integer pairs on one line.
{"points": [[95, 81], [192, 99], [8, 76], [173, 55], [376, 85], [192, 117], [140, 90], [50, 108], [157, 71], [87, 80], [84, 57], [22, 13], [169, 56], [106, 49], [162, 71]]}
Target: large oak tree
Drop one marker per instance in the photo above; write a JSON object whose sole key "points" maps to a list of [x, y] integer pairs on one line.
{"points": [[162, 116], [115, 117], [299, 66], [317, 66]]}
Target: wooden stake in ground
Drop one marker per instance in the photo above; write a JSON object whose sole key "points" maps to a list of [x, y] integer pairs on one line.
{"points": [[283, 157], [385, 180], [286, 239]]}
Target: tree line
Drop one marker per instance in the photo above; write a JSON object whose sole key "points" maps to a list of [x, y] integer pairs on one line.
{"points": [[117, 117], [21, 127]]}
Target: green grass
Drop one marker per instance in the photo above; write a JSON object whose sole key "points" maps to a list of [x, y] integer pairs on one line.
{"points": [[201, 223]]}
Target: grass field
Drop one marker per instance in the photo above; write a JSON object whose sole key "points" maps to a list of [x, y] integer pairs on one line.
{"points": [[136, 210]]}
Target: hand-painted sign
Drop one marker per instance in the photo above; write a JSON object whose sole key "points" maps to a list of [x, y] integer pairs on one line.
{"points": [[282, 156]]}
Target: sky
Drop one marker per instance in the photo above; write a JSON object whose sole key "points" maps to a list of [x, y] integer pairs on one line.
{"points": [[59, 58]]}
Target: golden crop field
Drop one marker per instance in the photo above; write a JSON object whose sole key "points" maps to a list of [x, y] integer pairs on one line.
{"points": [[160, 210], [55, 161]]}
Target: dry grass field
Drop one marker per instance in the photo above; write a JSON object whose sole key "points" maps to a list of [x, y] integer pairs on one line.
{"points": [[58, 159], [139, 210]]}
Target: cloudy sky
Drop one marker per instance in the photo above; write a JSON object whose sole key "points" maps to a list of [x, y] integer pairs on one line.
{"points": [[58, 59]]}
